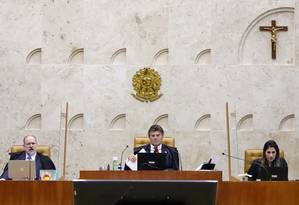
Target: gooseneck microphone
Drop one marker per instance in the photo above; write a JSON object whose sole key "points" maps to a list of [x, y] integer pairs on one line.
{"points": [[258, 164], [233, 157], [121, 156]]}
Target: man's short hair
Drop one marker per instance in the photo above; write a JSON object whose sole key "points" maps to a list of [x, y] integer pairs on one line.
{"points": [[29, 136], [155, 128]]}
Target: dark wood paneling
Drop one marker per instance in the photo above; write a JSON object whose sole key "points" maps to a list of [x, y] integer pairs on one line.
{"points": [[152, 175], [258, 193], [36, 192], [228, 193]]}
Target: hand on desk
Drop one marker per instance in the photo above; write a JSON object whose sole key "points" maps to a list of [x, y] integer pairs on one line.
{"points": [[131, 162], [132, 158]]}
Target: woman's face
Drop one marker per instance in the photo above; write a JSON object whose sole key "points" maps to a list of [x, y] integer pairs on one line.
{"points": [[270, 154]]}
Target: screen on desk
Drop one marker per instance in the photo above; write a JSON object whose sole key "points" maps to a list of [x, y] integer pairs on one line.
{"points": [[151, 161], [274, 174], [21, 169], [145, 192]]}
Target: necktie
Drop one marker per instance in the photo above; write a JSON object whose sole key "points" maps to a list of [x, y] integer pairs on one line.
{"points": [[29, 157], [156, 149]]}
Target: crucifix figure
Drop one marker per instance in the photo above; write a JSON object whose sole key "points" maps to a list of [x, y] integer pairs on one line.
{"points": [[273, 29]]}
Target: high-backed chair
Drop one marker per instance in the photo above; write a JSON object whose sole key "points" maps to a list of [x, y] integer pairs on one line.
{"points": [[139, 141], [252, 154], [43, 149]]}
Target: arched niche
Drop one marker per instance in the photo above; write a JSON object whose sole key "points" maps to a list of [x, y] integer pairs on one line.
{"points": [[245, 123], [118, 123], [203, 57], [161, 57], [162, 120], [119, 57], [77, 57], [287, 123], [255, 46], [203, 123], [34, 122], [76, 122], [34, 57]]}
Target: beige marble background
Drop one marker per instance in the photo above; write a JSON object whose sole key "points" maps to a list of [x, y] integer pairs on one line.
{"points": [[207, 52]]}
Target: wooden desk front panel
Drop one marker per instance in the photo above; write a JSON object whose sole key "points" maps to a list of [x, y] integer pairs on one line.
{"points": [[228, 193], [36, 193], [258, 193], [152, 175]]}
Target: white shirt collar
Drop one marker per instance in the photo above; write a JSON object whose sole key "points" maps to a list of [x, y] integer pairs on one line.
{"points": [[159, 148], [32, 157]]}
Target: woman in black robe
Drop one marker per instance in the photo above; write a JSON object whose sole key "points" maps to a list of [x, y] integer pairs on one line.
{"points": [[261, 168]]}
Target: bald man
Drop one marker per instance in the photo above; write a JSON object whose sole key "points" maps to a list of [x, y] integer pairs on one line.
{"points": [[41, 161]]}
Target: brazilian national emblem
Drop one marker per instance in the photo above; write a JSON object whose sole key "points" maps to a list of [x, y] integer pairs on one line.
{"points": [[146, 83]]}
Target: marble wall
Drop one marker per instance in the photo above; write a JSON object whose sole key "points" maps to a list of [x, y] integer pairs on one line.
{"points": [[207, 52]]}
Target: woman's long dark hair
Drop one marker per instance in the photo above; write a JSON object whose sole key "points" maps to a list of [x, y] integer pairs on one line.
{"points": [[268, 144]]}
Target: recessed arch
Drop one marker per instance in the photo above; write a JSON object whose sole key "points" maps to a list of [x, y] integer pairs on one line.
{"points": [[76, 122], [119, 57], [34, 57], [254, 23], [162, 120], [77, 57], [203, 57], [203, 123], [287, 123], [245, 123], [34, 122], [118, 123], [161, 57]]}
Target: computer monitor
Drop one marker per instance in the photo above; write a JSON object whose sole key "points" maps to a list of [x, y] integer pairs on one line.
{"points": [[21, 169], [145, 192], [273, 174], [208, 166], [151, 161]]}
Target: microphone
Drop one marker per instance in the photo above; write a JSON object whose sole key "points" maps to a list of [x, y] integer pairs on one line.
{"points": [[121, 156], [253, 162], [234, 157]]}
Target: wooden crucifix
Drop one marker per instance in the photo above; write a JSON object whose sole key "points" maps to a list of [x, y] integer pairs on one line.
{"points": [[273, 29]]}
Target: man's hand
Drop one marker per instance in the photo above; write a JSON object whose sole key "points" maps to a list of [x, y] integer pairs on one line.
{"points": [[132, 158]]}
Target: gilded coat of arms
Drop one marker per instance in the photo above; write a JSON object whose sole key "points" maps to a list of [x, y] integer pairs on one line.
{"points": [[146, 83]]}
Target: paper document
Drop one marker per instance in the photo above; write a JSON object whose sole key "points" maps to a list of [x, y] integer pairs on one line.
{"points": [[133, 165]]}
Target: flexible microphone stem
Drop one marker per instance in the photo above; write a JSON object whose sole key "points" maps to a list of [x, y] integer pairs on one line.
{"points": [[234, 157], [259, 164], [121, 156]]}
